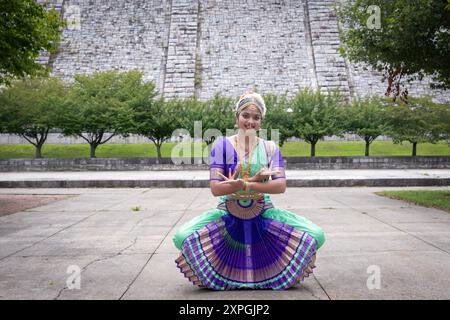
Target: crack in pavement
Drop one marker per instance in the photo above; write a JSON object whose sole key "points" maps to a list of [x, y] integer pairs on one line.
{"points": [[70, 226], [107, 257], [321, 286], [156, 249], [142, 219], [153, 215], [98, 260], [39, 241], [311, 291]]}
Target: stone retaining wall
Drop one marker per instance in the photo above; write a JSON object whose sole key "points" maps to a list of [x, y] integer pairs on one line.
{"points": [[199, 47], [292, 163]]}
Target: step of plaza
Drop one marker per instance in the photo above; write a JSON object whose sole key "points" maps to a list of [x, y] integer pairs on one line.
{"points": [[200, 178]]}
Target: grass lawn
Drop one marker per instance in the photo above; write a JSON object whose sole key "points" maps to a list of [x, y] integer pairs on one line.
{"points": [[356, 148], [323, 148], [427, 198]]}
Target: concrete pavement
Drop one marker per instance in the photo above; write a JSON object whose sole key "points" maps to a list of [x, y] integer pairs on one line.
{"points": [[120, 253]]}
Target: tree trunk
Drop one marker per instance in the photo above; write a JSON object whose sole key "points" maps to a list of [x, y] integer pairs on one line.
{"points": [[38, 153], [313, 149], [367, 148], [414, 149], [158, 151], [40, 142], [93, 147]]}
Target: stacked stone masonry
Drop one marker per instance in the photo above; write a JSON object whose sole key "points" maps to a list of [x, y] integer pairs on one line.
{"points": [[200, 47], [44, 57], [180, 67], [116, 35]]}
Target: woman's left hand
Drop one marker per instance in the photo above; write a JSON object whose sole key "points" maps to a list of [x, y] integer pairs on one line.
{"points": [[262, 174]]}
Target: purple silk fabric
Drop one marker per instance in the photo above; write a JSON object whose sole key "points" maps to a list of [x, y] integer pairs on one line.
{"points": [[224, 157]]}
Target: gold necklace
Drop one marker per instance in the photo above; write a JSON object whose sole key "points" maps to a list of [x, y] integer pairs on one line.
{"points": [[245, 175]]}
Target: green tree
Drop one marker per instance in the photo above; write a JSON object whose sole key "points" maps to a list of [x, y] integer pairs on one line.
{"points": [[316, 115], [413, 122], [366, 118], [99, 106], [203, 120], [189, 110], [440, 114], [26, 28], [157, 119], [218, 113], [278, 116], [30, 108], [412, 39]]}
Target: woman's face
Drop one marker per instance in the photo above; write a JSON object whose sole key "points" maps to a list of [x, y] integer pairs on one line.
{"points": [[249, 118]]}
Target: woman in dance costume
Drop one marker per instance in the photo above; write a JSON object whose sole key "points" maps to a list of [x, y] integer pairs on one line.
{"points": [[246, 242]]}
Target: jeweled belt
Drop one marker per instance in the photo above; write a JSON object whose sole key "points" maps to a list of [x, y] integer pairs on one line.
{"points": [[247, 195], [244, 208]]}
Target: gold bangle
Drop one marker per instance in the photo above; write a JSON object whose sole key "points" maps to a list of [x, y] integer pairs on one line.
{"points": [[245, 186]]}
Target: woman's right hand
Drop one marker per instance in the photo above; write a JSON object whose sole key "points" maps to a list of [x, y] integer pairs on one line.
{"points": [[237, 184]]}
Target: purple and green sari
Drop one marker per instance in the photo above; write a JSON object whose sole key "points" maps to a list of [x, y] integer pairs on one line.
{"points": [[247, 244]]}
